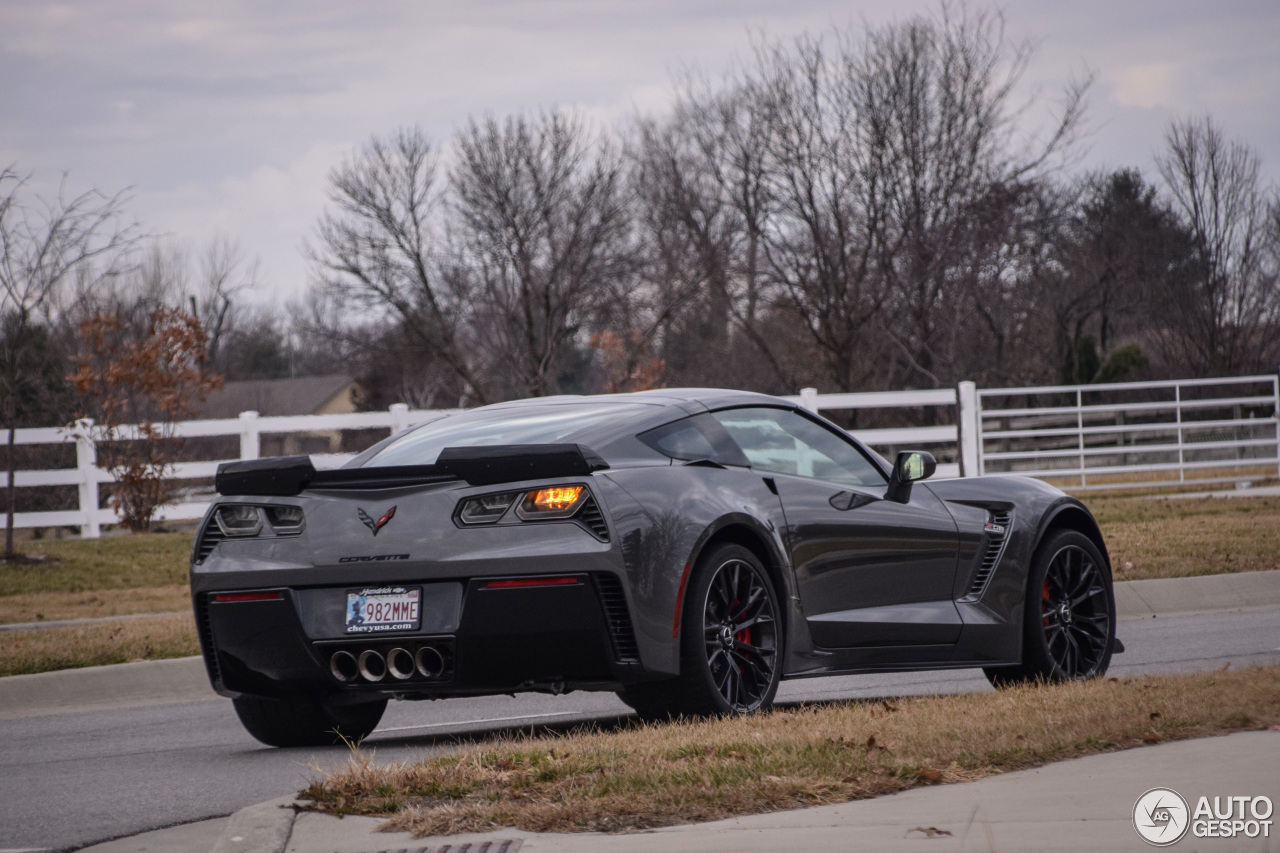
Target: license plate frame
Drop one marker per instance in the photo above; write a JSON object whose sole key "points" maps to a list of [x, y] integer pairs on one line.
{"points": [[383, 609]]}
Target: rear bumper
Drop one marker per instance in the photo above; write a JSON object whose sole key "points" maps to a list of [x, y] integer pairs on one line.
{"points": [[502, 638]]}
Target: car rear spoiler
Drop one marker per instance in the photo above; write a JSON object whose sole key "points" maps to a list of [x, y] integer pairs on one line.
{"points": [[479, 466]]}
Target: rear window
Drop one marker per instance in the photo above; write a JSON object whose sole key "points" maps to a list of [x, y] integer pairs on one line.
{"points": [[517, 425]]}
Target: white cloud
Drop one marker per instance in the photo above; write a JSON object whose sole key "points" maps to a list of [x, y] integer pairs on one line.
{"points": [[1144, 86]]}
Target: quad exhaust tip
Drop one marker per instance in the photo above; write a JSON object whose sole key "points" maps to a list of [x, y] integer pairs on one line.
{"points": [[429, 662], [373, 667], [343, 666], [400, 664]]}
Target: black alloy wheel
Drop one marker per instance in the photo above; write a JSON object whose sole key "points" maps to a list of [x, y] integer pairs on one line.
{"points": [[739, 629], [1069, 618], [731, 642], [1075, 610]]}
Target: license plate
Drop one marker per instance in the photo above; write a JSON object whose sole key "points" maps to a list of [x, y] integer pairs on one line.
{"points": [[384, 608]]}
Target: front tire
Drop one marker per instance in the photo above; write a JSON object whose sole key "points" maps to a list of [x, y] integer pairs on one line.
{"points": [[1069, 617], [306, 721], [730, 646]]}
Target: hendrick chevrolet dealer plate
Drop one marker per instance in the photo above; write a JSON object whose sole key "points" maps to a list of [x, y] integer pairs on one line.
{"points": [[384, 608]]}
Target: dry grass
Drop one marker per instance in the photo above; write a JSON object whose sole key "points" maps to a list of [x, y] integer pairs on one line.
{"points": [[38, 606], [46, 649], [656, 775], [1181, 537]]}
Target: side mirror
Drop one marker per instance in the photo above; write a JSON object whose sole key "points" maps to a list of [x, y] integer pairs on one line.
{"points": [[910, 466]]}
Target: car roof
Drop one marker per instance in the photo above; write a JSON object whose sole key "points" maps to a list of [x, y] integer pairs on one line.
{"points": [[690, 400], [612, 437]]}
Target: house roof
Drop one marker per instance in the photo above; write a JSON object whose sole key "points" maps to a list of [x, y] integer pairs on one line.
{"points": [[271, 397]]}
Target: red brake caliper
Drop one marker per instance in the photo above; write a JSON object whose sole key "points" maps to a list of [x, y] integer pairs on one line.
{"points": [[743, 636], [1044, 608]]}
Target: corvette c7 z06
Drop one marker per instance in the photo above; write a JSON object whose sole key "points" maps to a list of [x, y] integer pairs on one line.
{"points": [[687, 549]]}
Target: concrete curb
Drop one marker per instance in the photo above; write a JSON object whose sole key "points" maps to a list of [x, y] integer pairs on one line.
{"points": [[1206, 594], [166, 682], [1078, 804], [261, 828], [120, 685]]}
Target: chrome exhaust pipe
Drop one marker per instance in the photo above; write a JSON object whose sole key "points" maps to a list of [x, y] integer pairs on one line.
{"points": [[400, 664], [429, 662], [343, 666], [372, 666]]}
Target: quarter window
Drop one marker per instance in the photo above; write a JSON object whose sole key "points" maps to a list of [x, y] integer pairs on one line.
{"points": [[697, 437], [784, 442]]}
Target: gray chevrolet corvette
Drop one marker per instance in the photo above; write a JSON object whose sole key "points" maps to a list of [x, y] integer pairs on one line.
{"points": [[687, 549]]}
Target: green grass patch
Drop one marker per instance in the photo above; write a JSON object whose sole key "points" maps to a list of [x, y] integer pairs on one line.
{"points": [[114, 562]]}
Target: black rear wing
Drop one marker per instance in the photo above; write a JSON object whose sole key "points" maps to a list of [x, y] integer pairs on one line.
{"points": [[479, 466]]}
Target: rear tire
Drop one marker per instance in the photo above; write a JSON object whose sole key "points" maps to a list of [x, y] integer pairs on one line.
{"points": [[730, 645], [1069, 616], [306, 721]]}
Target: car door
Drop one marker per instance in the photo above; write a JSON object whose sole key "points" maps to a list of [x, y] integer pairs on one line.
{"points": [[870, 571]]}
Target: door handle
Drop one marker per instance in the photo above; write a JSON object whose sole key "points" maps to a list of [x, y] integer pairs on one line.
{"points": [[845, 501]]}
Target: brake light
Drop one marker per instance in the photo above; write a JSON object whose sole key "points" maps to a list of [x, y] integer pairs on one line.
{"points": [[248, 596], [526, 582]]}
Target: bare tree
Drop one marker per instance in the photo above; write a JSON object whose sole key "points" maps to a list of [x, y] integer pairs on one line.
{"points": [[43, 244], [1223, 317], [224, 274], [936, 97], [376, 250], [702, 181], [823, 237], [541, 236]]}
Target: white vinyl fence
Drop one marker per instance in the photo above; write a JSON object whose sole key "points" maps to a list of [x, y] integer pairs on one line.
{"points": [[1126, 435]]}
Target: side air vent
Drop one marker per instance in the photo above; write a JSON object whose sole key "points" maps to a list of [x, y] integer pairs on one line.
{"points": [[614, 601], [591, 516], [997, 530], [206, 636], [209, 539]]}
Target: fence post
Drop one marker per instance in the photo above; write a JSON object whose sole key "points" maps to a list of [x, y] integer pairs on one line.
{"points": [[809, 399], [399, 417], [250, 447], [87, 467], [1276, 379], [969, 422]]}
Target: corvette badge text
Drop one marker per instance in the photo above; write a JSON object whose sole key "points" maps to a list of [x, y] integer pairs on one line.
{"points": [[1162, 817]]}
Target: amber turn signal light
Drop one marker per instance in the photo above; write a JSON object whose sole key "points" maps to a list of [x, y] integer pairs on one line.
{"points": [[552, 502]]}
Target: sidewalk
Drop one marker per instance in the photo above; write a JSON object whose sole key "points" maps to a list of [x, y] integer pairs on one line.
{"points": [[1084, 804]]}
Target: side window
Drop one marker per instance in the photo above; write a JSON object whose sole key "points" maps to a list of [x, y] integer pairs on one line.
{"points": [[786, 443], [690, 439]]}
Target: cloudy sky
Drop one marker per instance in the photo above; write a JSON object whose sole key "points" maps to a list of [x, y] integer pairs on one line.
{"points": [[224, 118]]}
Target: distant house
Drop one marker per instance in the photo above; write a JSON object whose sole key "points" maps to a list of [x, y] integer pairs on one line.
{"points": [[309, 395]]}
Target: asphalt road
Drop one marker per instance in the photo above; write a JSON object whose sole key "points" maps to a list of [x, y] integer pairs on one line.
{"points": [[70, 780]]}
